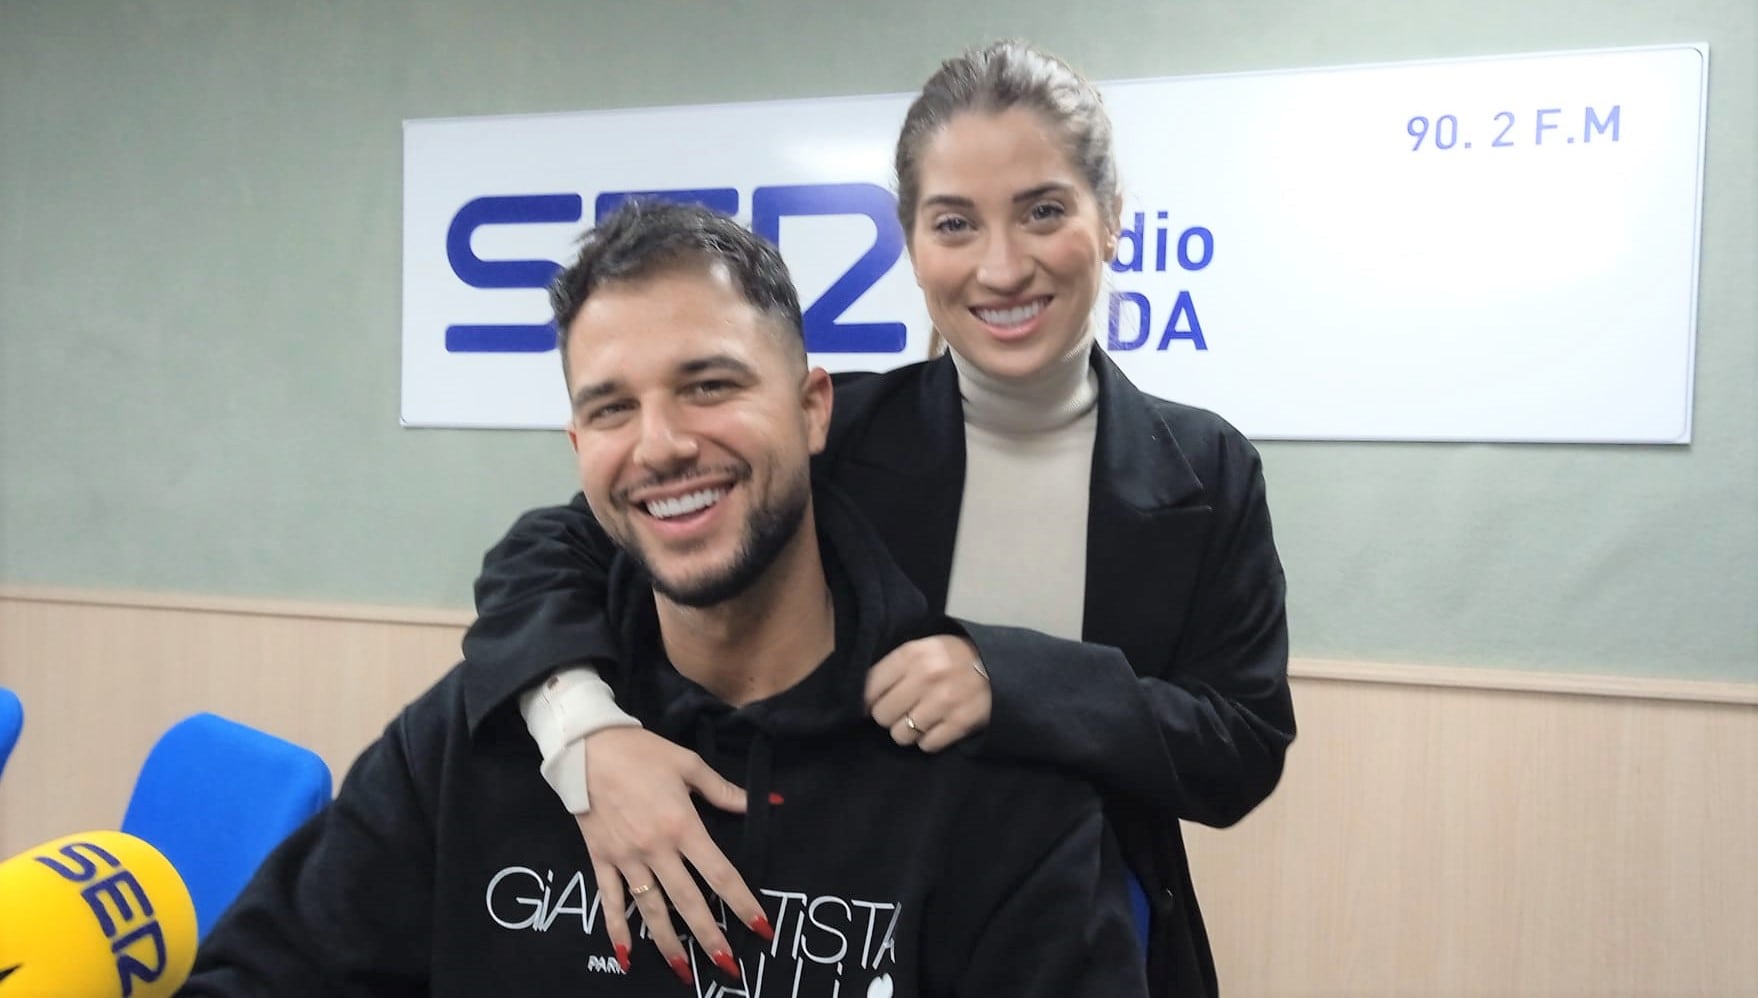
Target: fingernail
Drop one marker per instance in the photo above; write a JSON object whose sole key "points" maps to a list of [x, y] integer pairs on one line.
{"points": [[681, 967], [623, 957], [724, 961], [775, 798], [761, 926]]}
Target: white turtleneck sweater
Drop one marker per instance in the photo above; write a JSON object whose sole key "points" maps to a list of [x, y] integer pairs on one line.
{"points": [[1021, 554], [1020, 557]]}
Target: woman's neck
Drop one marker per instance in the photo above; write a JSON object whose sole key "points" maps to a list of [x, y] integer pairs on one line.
{"points": [[1046, 401]]}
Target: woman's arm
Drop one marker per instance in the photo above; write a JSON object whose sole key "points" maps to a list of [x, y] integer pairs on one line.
{"points": [[561, 713], [541, 610], [1199, 736], [540, 599]]}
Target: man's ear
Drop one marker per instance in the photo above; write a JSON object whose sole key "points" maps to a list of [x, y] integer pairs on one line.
{"points": [[573, 437], [817, 396]]}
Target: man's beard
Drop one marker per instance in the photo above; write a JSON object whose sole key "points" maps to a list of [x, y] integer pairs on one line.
{"points": [[768, 531]]}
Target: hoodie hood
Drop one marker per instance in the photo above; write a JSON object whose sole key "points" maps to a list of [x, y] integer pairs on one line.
{"points": [[876, 610]]}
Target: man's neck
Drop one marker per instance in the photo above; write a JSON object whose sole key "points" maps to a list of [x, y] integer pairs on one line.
{"points": [[763, 640]]}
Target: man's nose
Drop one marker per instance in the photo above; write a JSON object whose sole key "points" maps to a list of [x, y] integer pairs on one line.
{"points": [[665, 444]]}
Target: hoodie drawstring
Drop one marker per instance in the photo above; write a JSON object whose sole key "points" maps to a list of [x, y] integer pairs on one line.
{"points": [[759, 788]]}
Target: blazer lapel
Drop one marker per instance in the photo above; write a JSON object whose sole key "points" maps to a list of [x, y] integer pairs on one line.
{"points": [[903, 465], [906, 473], [1147, 525]]}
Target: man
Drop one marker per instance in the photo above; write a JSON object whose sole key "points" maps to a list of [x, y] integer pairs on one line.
{"points": [[749, 607]]}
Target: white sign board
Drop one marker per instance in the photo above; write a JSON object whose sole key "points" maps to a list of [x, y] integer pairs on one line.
{"points": [[1484, 249]]}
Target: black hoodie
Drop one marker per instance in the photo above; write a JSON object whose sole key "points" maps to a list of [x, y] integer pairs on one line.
{"points": [[444, 866]]}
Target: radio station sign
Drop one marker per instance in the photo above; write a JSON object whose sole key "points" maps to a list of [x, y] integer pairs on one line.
{"points": [[1483, 249]]}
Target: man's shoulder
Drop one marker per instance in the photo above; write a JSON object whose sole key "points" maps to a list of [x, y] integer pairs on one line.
{"points": [[436, 719]]}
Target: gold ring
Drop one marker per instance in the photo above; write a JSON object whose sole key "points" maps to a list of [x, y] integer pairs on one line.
{"points": [[638, 891], [910, 723]]}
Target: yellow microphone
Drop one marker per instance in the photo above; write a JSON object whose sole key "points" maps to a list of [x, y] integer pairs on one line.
{"points": [[94, 915]]}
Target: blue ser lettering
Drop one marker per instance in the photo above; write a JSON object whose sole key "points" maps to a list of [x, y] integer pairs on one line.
{"points": [[516, 209], [825, 332]]}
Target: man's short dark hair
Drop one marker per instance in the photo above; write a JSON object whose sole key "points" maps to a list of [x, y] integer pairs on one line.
{"points": [[645, 237]]}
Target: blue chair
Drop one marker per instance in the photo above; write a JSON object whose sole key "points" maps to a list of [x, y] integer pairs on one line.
{"points": [[216, 797], [11, 723], [1144, 918]]}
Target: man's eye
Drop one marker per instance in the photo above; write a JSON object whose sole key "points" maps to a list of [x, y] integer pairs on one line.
{"points": [[607, 411], [710, 388]]}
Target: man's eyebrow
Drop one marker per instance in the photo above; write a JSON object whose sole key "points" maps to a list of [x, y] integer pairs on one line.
{"points": [[585, 395], [1029, 194], [716, 362]]}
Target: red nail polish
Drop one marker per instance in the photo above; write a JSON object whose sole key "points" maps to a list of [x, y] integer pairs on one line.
{"points": [[775, 798], [681, 967], [724, 961], [623, 957], [761, 926]]}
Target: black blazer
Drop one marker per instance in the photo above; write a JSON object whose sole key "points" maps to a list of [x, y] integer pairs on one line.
{"points": [[1175, 706]]}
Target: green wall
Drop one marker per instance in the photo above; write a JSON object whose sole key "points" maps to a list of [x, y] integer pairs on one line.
{"points": [[199, 286]]}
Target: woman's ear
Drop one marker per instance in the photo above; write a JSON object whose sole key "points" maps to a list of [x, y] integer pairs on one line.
{"points": [[1115, 227]]}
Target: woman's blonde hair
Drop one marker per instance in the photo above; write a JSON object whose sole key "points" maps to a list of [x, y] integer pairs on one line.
{"points": [[1000, 76], [992, 79]]}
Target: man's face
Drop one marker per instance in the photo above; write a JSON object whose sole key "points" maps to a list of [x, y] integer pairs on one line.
{"points": [[693, 425]]}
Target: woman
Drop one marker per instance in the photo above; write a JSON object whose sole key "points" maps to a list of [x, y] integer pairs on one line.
{"points": [[1020, 481]]}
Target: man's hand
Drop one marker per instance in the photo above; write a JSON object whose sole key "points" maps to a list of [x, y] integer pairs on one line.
{"points": [[641, 831], [930, 692]]}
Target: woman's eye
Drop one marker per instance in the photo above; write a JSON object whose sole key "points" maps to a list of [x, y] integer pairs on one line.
{"points": [[1046, 210], [952, 225]]}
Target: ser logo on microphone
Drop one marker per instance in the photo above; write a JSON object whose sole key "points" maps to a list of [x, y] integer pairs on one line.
{"points": [[824, 328], [121, 906]]}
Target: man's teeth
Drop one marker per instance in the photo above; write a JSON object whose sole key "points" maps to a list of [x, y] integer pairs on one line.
{"points": [[691, 502], [1010, 316]]}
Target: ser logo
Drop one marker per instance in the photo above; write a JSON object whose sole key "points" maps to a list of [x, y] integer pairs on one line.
{"points": [[825, 332], [121, 907]]}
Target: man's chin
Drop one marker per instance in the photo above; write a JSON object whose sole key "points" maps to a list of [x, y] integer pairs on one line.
{"points": [[696, 583], [700, 591]]}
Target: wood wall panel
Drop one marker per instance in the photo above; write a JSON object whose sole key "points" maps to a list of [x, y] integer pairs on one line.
{"points": [[1427, 840], [1436, 841], [101, 683]]}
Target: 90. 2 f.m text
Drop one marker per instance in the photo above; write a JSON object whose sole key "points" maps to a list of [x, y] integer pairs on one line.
{"points": [[1546, 126]]}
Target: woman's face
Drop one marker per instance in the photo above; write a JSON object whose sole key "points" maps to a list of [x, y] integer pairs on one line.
{"points": [[1008, 243]]}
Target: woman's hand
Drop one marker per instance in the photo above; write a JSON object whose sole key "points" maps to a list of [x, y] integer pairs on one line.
{"points": [[643, 828], [930, 692]]}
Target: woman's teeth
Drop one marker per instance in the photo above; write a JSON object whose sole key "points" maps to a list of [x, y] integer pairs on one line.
{"points": [[1018, 315]]}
